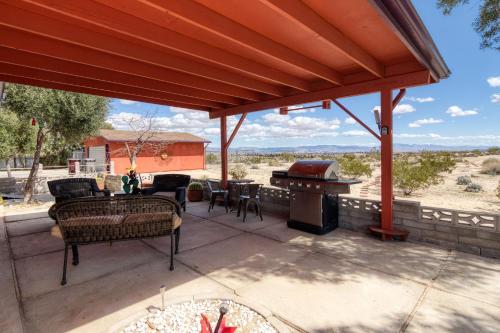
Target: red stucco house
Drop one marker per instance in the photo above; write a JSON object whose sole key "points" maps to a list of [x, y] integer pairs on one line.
{"points": [[164, 151]]}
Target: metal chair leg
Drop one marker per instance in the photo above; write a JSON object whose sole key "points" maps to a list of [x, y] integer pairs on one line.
{"points": [[245, 209], [172, 250], [260, 210], [239, 209], [76, 257], [63, 281], [226, 201], [177, 237]]}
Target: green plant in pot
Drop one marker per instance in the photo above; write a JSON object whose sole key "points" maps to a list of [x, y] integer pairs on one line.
{"points": [[195, 192]]}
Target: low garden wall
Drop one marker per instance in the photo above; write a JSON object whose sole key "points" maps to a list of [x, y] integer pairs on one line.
{"points": [[473, 232]]}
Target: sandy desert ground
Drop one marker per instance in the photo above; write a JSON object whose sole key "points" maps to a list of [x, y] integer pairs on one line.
{"points": [[447, 194]]}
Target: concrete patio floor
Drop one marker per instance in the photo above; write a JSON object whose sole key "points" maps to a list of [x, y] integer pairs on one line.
{"points": [[340, 282]]}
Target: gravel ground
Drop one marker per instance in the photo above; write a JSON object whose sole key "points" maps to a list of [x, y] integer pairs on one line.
{"points": [[185, 318]]}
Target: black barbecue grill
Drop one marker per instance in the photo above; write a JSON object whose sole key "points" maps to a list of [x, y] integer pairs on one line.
{"points": [[314, 188]]}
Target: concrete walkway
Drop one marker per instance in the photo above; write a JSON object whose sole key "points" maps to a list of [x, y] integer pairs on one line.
{"points": [[340, 282]]}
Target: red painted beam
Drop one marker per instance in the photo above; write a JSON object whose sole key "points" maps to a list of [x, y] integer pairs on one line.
{"points": [[73, 35], [28, 42], [386, 158], [90, 91], [306, 17], [112, 19], [198, 15], [32, 60], [223, 151], [343, 108], [393, 82], [33, 73], [235, 130]]}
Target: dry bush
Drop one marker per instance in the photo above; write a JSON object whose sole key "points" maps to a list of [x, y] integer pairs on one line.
{"points": [[464, 180], [238, 171], [473, 187], [491, 166], [498, 190]]}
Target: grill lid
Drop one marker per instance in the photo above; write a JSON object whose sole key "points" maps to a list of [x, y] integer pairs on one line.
{"points": [[327, 170]]}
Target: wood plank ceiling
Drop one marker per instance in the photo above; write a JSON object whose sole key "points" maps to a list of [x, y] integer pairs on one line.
{"points": [[225, 57]]}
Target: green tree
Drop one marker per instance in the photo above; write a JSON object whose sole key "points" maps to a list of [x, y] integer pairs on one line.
{"points": [[353, 166], [8, 125], [487, 24], [65, 115], [16, 137]]}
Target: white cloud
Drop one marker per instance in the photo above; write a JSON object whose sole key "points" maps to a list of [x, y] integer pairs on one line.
{"points": [[495, 98], [126, 102], [456, 111], [420, 99], [494, 81], [404, 108], [355, 133], [399, 109], [426, 121], [350, 121]]}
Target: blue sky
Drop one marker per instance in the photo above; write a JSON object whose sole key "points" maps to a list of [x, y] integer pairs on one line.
{"points": [[461, 110]]}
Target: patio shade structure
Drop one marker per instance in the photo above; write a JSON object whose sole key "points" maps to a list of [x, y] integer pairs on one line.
{"points": [[223, 57]]}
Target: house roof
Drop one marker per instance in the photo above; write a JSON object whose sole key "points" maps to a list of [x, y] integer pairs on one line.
{"points": [[118, 135], [206, 55]]}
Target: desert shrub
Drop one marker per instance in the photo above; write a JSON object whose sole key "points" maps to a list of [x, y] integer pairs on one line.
{"points": [[440, 161], [411, 175], [493, 151], [353, 166], [286, 157], [238, 171], [491, 166], [473, 187], [254, 167], [498, 190], [273, 162], [464, 180], [212, 158]]}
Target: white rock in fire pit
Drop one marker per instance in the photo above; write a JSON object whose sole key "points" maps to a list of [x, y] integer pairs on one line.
{"points": [[185, 318]]}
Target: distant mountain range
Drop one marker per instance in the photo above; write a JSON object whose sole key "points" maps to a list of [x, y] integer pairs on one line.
{"points": [[345, 149]]}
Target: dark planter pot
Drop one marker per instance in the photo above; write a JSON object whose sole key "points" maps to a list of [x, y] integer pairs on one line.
{"points": [[195, 195]]}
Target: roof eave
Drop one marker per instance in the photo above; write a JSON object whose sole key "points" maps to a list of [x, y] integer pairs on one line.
{"points": [[407, 24]]}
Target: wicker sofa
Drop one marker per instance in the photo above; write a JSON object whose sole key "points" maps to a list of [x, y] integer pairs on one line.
{"points": [[70, 188], [91, 220]]}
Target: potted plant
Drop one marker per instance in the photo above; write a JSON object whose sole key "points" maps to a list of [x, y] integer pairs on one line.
{"points": [[195, 192]]}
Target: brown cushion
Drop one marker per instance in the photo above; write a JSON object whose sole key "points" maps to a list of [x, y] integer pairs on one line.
{"points": [[170, 195], [92, 220], [154, 217]]}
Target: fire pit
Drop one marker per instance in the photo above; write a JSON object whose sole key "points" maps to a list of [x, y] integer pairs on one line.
{"points": [[185, 317]]}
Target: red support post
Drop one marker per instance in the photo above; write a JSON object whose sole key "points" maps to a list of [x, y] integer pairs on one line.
{"points": [[223, 150], [386, 158]]}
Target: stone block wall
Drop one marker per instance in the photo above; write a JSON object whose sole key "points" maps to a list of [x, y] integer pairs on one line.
{"points": [[472, 232]]}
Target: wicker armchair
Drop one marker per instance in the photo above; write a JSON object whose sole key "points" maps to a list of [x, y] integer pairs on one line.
{"points": [[69, 188], [109, 219], [170, 185]]}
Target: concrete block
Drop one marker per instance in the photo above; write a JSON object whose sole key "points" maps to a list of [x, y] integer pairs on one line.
{"points": [[450, 237], [418, 224], [488, 235], [483, 243], [468, 249], [490, 253], [439, 242]]}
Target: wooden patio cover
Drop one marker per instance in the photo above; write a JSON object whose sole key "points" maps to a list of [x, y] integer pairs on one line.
{"points": [[225, 57]]}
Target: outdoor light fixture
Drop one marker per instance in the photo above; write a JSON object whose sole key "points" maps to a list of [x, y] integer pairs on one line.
{"points": [[384, 130], [284, 110], [376, 113], [326, 104]]}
